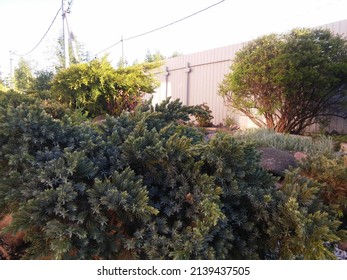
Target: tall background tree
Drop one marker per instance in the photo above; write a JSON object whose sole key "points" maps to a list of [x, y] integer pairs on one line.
{"points": [[82, 54], [158, 56], [2, 84], [23, 77], [290, 81], [152, 57], [43, 79]]}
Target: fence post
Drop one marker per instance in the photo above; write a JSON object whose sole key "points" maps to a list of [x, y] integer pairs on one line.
{"points": [[167, 73], [188, 70]]}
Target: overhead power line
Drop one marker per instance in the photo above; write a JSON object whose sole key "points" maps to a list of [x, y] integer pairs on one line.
{"points": [[174, 22], [43, 37], [162, 27], [115, 44]]}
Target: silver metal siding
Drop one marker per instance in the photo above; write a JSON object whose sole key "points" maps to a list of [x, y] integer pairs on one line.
{"points": [[207, 70]]}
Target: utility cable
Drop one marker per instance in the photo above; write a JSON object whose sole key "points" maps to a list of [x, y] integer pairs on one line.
{"points": [[162, 27], [49, 28], [174, 22], [108, 48]]}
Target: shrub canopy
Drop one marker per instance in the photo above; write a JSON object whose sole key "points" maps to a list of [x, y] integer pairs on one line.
{"points": [[289, 81], [98, 88]]}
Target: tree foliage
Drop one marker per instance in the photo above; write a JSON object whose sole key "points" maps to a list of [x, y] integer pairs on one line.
{"points": [[289, 81], [3, 87], [98, 88], [43, 80], [302, 221], [23, 76], [82, 55], [331, 173], [157, 56]]}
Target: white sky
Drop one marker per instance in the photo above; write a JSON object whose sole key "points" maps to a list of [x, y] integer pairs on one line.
{"points": [[100, 23]]}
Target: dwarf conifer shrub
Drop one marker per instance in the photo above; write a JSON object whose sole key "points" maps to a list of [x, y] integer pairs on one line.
{"points": [[205, 116], [303, 220], [84, 191], [246, 191], [331, 173], [141, 185]]}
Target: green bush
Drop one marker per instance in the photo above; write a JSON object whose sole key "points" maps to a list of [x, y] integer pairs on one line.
{"points": [[303, 220], [97, 88], [338, 139], [43, 99], [204, 115], [13, 98], [142, 185], [84, 191], [246, 189], [289, 81], [331, 173]]}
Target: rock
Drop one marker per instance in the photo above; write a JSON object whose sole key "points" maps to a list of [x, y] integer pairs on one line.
{"points": [[209, 136], [99, 119], [343, 148], [340, 254], [276, 161], [343, 246], [300, 156]]}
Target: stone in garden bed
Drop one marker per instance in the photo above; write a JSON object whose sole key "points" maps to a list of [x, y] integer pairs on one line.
{"points": [[276, 161]]}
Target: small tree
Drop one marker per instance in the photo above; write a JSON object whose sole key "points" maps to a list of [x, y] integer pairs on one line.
{"points": [[155, 57], [23, 77], [289, 81], [2, 85], [82, 54], [43, 80]]}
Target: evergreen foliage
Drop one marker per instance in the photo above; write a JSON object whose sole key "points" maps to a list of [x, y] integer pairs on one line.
{"points": [[59, 52], [145, 185], [3, 87], [97, 88], [246, 190], [204, 118], [331, 173], [43, 80], [23, 77], [303, 220]]}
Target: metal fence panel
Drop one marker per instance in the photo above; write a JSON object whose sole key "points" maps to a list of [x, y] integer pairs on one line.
{"points": [[195, 78]]}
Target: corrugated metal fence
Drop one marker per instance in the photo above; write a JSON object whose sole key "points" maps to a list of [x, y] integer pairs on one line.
{"points": [[195, 79]]}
